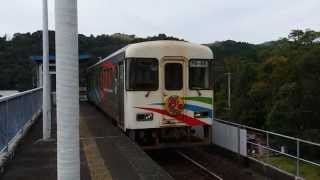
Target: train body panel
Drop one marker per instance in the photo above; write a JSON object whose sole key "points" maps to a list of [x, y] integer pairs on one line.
{"points": [[155, 85]]}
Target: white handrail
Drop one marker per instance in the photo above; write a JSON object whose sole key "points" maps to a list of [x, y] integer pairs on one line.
{"points": [[7, 98], [297, 157], [269, 132]]}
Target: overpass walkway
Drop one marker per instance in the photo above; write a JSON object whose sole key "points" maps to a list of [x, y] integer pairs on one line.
{"points": [[106, 153]]}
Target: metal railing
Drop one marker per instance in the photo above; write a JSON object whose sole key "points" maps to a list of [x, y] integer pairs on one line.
{"points": [[270, 147], [16, 113]]}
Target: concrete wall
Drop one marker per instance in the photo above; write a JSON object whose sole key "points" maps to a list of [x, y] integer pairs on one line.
{"points": [[229, 137]]}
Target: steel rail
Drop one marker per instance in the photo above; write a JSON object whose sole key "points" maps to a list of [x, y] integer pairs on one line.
{"points": [[198, 165], [286, 154]]}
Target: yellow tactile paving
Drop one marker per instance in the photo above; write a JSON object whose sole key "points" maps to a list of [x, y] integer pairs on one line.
{"points": [[97, 167]]}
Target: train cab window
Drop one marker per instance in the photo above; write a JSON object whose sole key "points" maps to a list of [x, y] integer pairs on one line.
{"points": [[142, 74], [173, 76], [199, 74]]}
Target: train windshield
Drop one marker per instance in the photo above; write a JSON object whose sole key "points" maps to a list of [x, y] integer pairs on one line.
{"points": [[199, 74], [142, 74], [173, 76]]}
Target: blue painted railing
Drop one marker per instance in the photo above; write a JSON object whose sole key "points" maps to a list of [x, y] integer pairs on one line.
{"points": [[17, 112]]}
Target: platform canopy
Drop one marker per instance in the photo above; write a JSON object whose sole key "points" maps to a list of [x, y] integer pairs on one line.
{"points": [[39, 59]]}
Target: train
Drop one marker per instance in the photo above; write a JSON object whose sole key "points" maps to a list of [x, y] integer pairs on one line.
{"points": [[160, 93]]}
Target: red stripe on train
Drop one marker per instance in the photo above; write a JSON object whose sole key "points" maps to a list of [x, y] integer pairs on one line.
{"points": [[183, 118]]}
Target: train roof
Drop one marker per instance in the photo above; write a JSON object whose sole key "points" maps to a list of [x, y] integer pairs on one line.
{"points": [[156, 49]]}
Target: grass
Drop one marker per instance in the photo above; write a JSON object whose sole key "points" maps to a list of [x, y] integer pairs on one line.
{"points": [[307, 171]]}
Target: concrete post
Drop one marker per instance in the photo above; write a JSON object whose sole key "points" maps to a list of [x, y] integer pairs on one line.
{"points": [[46, 106], [67, 73], [298, 159], [40, 75]]}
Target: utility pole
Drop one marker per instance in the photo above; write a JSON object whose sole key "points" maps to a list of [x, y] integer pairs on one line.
{"points": [[229, 90], [67, 68], [229, 95], [46, 105]]}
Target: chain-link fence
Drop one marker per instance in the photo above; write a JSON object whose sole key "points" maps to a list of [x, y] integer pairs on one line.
{"points": [[16, 114]]}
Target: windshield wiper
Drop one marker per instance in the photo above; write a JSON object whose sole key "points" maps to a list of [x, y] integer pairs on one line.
{"points": [[199, 93], [198, 90], [148, 93]]}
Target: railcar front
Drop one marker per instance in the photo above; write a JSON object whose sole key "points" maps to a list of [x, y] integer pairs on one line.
{"points": [[168, 98]]}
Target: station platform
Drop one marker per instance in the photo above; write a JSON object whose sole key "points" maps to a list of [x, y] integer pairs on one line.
{"points": [[106, 153]]}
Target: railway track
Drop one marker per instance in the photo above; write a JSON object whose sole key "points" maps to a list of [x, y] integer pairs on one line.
{"points": [[202, 167], [181, 166], [201, 163]]}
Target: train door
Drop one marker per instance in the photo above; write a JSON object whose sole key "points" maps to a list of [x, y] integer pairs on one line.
{"points": [[120, 88], [173, 89]]}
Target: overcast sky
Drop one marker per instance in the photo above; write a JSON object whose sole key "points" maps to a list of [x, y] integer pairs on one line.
{"points": [[200, 21]]}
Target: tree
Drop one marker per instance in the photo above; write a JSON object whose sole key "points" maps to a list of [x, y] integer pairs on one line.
{"points": [[296, 35]]}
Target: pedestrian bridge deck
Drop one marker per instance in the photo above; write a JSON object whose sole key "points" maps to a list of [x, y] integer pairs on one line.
{"points": [[106, 153]]}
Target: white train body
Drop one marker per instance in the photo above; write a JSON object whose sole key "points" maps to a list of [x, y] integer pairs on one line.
{"points": [[155, 86]]}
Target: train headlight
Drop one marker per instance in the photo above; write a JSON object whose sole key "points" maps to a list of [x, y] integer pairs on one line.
{"points": [[145, 117], [204, 114]]}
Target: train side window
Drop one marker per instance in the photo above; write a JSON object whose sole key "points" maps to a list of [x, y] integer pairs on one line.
{"points": [[101, 79], [104, 78], [110, 76], [107, 79], [173, 76], [142, 74], [200, 74]]}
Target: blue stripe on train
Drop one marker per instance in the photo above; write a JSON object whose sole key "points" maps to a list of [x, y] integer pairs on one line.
{"points": [[196, 108], [193, 108]]}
